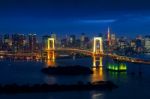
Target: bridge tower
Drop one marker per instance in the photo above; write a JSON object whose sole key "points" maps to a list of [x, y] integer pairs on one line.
{"points": [[98, 46], [50, 44], [50, 49]]}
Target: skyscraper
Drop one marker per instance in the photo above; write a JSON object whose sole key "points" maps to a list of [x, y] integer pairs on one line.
{"points": [[32, 43], [6, 42], [108, 37], [45, 41], [1, 42], [18, 42], [147, 43], [72, 39], [82, 40], [53, 35]]}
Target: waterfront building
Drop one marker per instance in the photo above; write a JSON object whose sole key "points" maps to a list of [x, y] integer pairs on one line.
{"points": [[6, 42], [147, 43], [32, 41], [18, 42]]}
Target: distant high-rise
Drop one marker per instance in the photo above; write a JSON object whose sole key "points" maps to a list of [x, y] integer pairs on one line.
{"points": [[53, 35], [72, 39], [113, 40], [6, 42], [1, 42], [45, 41], [32, 43], [18, 42], [113, 37], [6, 39], [147, 43], [82, 38], [108, 37]]}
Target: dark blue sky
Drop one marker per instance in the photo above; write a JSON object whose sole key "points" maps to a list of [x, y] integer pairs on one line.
{"points": [[124, 17]]}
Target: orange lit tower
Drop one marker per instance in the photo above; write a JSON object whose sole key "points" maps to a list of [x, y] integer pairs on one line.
{"points": [[51, 48]]}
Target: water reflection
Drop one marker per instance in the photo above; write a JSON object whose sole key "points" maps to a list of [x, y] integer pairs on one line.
{"points": [[51, 55], [49, 79], [117, 75], [97, 95], [50, 61], [98, 74]]}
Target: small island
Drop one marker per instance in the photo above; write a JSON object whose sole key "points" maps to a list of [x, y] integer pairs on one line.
{"points": [[80, 86], [67, 70]]}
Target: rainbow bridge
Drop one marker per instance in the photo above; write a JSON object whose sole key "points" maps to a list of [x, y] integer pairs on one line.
{"points": [[95, 52]]}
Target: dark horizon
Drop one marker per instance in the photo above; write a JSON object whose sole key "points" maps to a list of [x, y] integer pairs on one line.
{"points": [[129, 18]]}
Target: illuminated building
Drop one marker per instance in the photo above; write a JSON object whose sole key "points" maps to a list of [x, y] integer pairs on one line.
{"points": [[133, 44], [82, 40], [1, 42], [72, 39], [18, 42], [69, 41], [32, 42], [139, 46], [6, 42], [147, 43], [113, 39], [64, 42], [6, 39], [122, 43]]}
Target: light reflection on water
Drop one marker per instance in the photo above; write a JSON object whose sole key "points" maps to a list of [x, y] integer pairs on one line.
{"points": [[51, 59], [98, 74], [50, 63]]}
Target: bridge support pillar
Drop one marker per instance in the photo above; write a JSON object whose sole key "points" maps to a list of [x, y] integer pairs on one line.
{"points": [[97, 61], [51, 55]]}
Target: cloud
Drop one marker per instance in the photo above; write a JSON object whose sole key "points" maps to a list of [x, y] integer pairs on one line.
{"points": [[101, 21]]}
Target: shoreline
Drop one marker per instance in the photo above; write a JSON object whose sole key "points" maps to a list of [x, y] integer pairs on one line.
{"points": [[67, 70], [80, 86]]}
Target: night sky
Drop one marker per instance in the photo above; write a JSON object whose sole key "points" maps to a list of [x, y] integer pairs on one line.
{"points": [[124, 17]]}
